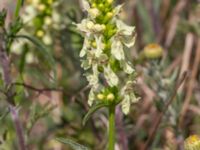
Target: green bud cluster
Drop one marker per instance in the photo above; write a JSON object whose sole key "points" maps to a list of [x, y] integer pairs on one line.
{"points": [[103, 56]]}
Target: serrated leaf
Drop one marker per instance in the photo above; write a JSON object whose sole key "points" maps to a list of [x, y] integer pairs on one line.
{"points": [[92, 110], [74, 145]]}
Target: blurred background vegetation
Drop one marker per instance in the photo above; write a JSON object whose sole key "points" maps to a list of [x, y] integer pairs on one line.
{"points": [[51, 90]]}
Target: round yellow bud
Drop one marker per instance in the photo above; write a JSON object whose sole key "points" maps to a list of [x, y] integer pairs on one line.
{"points": [[48, 20], [94, 44], [103, 27], [49, 1], [40, 33], [90, 25], [109, 15], [100, 96], [192, 143], [101, 6], [153, 51], [109, 1], [110, 97], [41, 7], [94, 5]]}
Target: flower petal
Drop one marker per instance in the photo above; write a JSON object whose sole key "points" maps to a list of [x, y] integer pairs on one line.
{"points": [[129, 41], [117, 50], [85, 5], [110, 76], [127, 67], [100, 46], [126, 104], [91, 97], [124, 29]]}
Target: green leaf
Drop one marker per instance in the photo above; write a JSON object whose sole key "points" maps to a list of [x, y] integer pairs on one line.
{"points": [[92, 110], [72, 144], [18, 7]]}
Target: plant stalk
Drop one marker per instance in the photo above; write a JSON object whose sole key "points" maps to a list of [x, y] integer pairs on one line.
{"points": [[111, 142]]}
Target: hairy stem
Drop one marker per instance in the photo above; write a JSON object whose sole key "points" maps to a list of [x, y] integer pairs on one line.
{"points": [[5, 63], [111, 143]]}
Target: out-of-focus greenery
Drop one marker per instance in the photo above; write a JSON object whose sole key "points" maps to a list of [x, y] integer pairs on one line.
{"points": [[51, 92]]}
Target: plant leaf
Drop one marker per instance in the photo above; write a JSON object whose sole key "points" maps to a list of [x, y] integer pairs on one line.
{"points": [[92, 110], [74, 145]]}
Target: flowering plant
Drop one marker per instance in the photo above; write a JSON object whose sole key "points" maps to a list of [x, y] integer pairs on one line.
{"points": [[109, 73], [103, 54]]}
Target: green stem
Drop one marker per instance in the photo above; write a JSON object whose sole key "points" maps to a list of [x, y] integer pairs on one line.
{"points": [[111, 143]]}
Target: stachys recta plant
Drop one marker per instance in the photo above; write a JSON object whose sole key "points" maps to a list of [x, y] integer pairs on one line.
{"points": [[110, 74]]}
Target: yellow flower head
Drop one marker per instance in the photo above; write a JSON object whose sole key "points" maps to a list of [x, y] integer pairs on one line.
{"points": [[153, 51], [192, 143]]}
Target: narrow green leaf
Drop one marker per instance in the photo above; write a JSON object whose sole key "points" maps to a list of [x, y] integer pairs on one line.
{"points": [[18, 7], [92, 110], [74, 145]]}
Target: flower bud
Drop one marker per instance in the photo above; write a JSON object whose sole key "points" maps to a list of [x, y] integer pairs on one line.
{"points": [[89, 25], [94, 12], [100, 96], [40, 33], [103, 27], [109, 15], [48, 20], [49, 2], [101, 6], [110, 97], [41, 7], [94, 44], [99, 28], [94, 5], [109, 1], [153, 51]]}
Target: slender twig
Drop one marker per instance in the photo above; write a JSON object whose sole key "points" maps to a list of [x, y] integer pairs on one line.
{"points": [[159, 118], [5, 63], [191, 83], [40, 90]]}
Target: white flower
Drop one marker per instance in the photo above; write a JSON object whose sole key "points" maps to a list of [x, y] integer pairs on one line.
{"points": [[127, 67], [117, 9], [92, 79], [117, 49], [110, 76], [128, 96], [85, 64], [99, 27], [91, 97], [125, 33], [85, 5], [100, 46], [124, 29], [86, 45], [126, 104], [129, 41], [47, 39], [93, 12]]}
